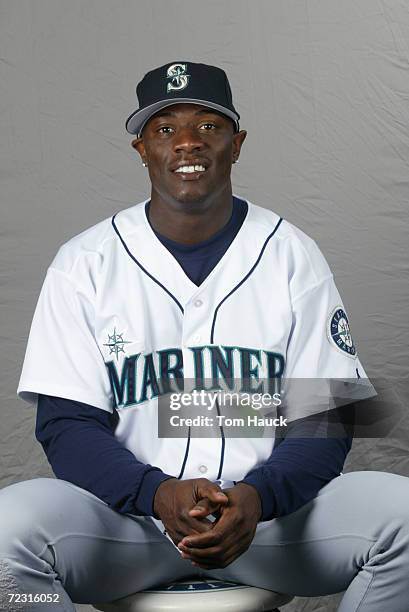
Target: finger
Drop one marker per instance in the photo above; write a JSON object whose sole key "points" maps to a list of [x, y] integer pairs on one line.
{"points": [[202, 540], [219, 532], [208, 561], [212, 492], [204, 507], [214, 565], [192, 525], [218, 559], [186, 526], [219, 550], [209, 503], [205, 555]]}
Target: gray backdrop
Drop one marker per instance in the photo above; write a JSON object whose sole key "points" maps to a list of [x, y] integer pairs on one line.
{"points": [[323, 90]]}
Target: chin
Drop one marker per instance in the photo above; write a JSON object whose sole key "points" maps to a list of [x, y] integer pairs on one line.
{"points": [[190, 197]]}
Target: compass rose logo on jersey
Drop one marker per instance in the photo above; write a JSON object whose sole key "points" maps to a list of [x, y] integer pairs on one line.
{"points": [[116, 343], [177, 76], [340, 333]]}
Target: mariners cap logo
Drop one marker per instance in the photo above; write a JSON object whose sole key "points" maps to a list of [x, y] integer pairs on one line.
{"points": [[177, 77], [339, 332]]}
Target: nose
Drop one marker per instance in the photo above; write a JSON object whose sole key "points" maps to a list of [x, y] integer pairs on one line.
{"points": [[188, 139]]}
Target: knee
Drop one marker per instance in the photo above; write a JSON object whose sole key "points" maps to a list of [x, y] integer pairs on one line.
{"points": [[23, 507], [383, 492]]}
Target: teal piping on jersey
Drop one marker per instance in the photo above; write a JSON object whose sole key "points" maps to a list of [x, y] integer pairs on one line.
{"points": [[243, 280], [155, 280], [219, 475]]}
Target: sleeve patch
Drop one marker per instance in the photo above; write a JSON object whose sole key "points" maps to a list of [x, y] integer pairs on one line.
{"points": [[339, 333]]}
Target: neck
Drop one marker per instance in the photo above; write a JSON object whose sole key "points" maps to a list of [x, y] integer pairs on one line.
{"points": [[190, 222]]}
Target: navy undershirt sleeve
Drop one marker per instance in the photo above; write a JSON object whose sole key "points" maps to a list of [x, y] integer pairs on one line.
{"points": [[81, 447], [295, 472], [80, 444]]}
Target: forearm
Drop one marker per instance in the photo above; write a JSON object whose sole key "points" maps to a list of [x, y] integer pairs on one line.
{"points": [[295, 472], [81, 448]]}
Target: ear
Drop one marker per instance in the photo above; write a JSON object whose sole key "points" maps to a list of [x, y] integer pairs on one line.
{"points": [[238, 140], [138, 145]]}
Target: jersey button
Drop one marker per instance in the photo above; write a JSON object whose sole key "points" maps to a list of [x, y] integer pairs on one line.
{"points": [[196, 338], [203, 469], [198, 303]]}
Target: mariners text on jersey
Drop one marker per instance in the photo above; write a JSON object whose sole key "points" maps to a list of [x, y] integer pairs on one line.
{"points": [[143, 377]]}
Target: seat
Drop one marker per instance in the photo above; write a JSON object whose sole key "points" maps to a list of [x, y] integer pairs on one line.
{"points": [[198, 595]]}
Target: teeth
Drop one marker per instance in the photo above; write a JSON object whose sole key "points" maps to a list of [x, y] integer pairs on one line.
{"points": [[188, 169]]}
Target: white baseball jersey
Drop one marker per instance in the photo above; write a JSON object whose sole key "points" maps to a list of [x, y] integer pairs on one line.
{"points": [[117, 313]]}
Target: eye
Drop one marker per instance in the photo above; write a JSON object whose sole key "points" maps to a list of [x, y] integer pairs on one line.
{"points": [[165, 129], [208, 126]]}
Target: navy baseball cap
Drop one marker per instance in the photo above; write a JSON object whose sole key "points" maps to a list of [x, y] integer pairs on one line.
{"points": [[182, 82]]}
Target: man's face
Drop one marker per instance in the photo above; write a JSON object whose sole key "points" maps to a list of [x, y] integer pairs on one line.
{"points": [[189, 150]]}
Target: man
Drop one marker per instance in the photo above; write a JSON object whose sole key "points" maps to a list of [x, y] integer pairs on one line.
{"points": [[194, 283]]}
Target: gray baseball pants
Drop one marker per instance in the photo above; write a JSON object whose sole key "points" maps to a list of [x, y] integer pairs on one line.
{"points": [[56, 538]]}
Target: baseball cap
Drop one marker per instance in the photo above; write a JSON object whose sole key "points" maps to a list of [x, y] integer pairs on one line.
{"points": [[179, 82]]}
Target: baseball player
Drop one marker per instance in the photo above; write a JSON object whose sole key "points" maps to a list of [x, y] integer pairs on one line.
{"points": [[193, 284]]}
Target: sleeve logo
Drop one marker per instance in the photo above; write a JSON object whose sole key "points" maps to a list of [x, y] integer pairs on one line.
{"points": [[339, 332], [116, 343]]}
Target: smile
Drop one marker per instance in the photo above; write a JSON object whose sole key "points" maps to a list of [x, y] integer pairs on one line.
{"points": [[191, 169]]}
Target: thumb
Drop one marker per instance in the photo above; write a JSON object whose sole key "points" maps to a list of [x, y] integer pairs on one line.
{"points": [[212, 492], [209, 497], [205, 506]]}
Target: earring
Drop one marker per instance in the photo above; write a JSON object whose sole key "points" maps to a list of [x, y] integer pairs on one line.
{"points": [[144, 164], [235, 161]]}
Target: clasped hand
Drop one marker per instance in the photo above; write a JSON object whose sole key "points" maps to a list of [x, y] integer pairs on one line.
{"points": [[183, 507]]}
